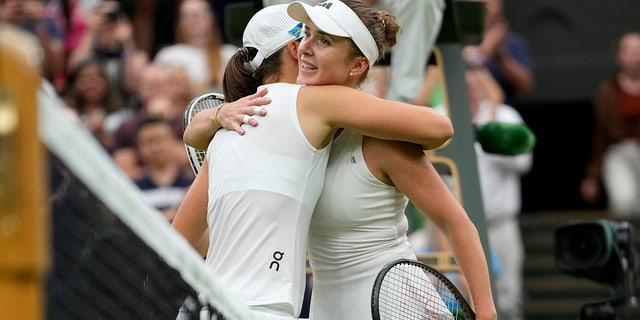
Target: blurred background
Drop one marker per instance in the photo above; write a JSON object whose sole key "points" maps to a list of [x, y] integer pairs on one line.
{"points": [[572, 45]]}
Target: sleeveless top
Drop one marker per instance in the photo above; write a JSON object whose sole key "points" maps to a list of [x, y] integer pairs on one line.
{"points": [[357, 227], [263, 187]]}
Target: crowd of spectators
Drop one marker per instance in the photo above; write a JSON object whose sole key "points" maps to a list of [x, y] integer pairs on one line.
{"points": [[127, 69], [117, 64]]}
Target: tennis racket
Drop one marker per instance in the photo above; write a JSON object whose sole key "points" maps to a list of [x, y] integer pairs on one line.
{"points": [[199, 103], [410, 289]]}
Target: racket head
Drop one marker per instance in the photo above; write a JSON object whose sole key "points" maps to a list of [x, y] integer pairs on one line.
{"points": [[205, 101], [411, 289]]}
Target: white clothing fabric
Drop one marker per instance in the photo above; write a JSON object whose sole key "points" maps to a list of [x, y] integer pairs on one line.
{"points": [[621, 172], [420, 21], [262, 191], [500, 175], [500, 186], [357, 227], [272, 2], [336, 18], [195, 61], [268, 31], [508, 248]]}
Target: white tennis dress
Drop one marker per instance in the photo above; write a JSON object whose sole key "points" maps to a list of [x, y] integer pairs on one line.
{"points": [[263, 187], [358, 226]]}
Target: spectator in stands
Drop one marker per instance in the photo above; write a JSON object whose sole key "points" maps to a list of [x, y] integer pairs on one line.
{"points": [[154, 22], [31, 16], [109, 37], [505, 53], [200, 48], [500, 186], [163, 181], [615, 151], [155, 81], [420, 22], [92, 98], [70, 16]]}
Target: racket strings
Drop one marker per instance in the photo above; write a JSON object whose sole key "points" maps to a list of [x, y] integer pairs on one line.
{"points": [[207, 101], [408, 292]]}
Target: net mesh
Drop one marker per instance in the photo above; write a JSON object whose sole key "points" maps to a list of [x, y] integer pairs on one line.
{"points": [[113, 256]]}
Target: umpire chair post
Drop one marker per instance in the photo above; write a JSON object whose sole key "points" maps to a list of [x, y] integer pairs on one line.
{"points": [[24, 229], [462, 23]]}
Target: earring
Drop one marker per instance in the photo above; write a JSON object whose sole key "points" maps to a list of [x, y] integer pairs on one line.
{"points": [[351, 74]]}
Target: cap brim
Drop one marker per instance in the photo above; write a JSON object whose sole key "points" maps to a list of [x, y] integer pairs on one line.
{"points": [[306, 13]]}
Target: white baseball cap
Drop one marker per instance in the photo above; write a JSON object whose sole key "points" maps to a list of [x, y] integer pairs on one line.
{"points": [[336, 18], [269, 30]]}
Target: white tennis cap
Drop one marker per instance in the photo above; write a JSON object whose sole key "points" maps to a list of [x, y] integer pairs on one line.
{"points": [[336, 18], [269, 30]]}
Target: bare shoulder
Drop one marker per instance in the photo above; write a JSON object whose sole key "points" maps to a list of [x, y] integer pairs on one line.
{"points": [[387, 159]]}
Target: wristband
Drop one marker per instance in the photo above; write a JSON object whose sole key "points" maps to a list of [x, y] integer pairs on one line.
{"points": [[215, 116]]}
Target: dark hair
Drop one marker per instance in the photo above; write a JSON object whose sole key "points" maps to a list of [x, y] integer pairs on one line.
{"points": [[152, 120], [112, 101], [241, 80]]}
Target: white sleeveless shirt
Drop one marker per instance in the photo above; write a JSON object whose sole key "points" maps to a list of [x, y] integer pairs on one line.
{"points": [[263, 187], [357, 227]]}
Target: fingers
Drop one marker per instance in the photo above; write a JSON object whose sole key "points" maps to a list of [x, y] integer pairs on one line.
{"points": [[259, 94], [246, 119], [238, 129], [257, 99], [259, 111], [258, 108], [241, 112], [234, 118]]}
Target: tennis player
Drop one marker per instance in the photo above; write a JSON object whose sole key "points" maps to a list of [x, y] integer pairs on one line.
{"points": [[262, 186], [354, 233]]}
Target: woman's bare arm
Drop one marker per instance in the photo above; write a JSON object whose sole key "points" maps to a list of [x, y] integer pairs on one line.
{"points": [[200, 131], [409, 169], [326, 108], [191, 217], [343, 107]]}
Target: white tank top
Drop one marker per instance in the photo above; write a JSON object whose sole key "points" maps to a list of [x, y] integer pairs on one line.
{"points": [[357, 227], [263, 187]]}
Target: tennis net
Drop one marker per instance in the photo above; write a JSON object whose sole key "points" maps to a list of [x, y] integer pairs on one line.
{"points": [[113, 256]]}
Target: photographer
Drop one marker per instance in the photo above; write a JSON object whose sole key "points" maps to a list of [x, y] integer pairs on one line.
{"points": [[109, 37], [30, 16]]}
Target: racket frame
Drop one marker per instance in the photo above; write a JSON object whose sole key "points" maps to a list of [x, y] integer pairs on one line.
{"points": [[204, 101], [468, 312]]}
